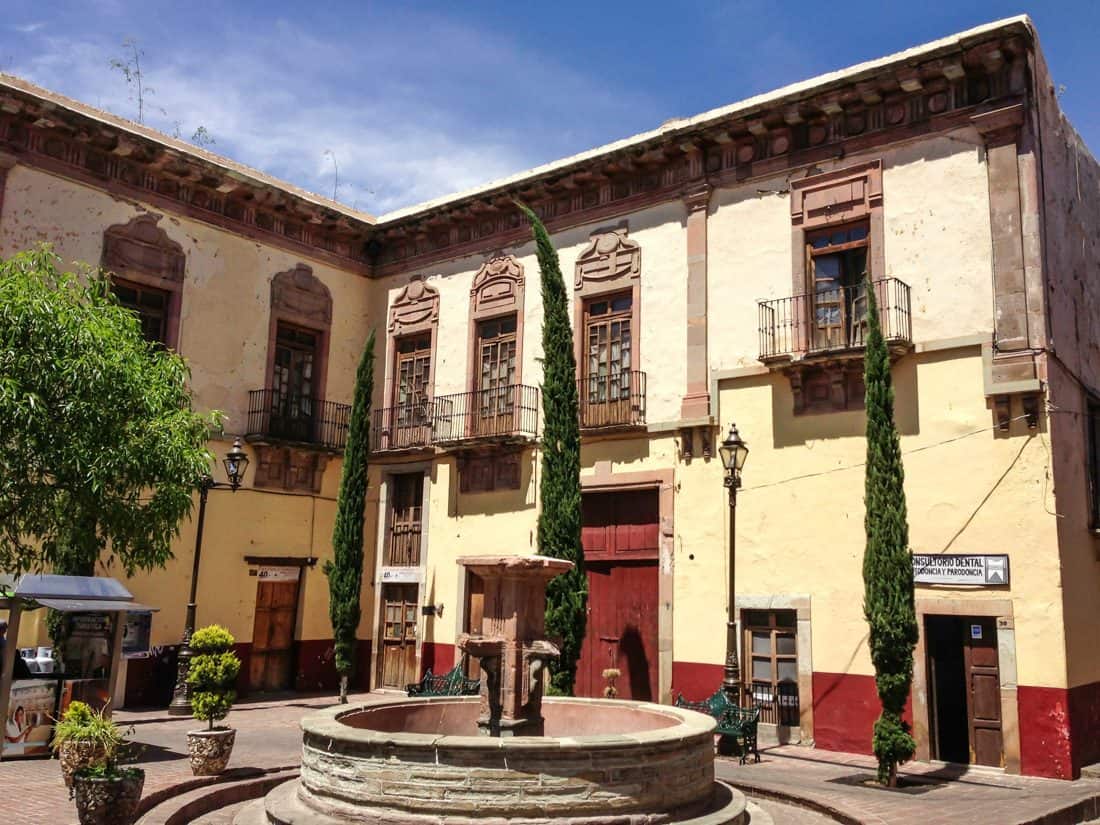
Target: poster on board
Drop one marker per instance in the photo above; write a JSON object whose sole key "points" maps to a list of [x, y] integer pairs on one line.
{"points": [[29, 724]]}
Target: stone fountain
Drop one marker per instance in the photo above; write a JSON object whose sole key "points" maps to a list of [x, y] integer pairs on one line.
{"points": [[508, 755]]}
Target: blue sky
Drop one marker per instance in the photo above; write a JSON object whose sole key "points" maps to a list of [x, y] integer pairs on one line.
{"points": [[418, 99]]}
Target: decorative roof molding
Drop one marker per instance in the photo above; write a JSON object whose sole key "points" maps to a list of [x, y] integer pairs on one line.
{"points": [[498, 287], [417, 305], [609, 257]]}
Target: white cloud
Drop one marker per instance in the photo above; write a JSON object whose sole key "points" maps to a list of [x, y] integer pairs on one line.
{"points": [[405, 124], [28, 28]]}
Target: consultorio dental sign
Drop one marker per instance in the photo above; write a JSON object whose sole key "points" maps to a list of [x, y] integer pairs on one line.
{"points": [[976, 571]]}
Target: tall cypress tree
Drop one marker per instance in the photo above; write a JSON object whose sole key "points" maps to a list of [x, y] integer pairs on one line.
{"points": [[559, 529], [887, 566], [345, 571]]}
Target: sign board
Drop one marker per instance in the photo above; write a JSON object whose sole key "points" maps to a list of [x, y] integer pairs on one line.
{"points": [[29, 725], [135, 634], [975, 631], [400, 575], [280, 574], [978, 571]]}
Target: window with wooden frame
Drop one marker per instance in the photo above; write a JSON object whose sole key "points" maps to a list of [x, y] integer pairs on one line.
{"points": [[293, 382], [496, 346], [1092, 451], [406, 512], [608, 351], [836, 267], [412, 379], [149, 304], [771, 646]]}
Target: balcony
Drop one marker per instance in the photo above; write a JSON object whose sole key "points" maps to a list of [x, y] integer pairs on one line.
{"points": [[404, 428], [609, 402], [833, 322], [283, 417], [507, 414]]}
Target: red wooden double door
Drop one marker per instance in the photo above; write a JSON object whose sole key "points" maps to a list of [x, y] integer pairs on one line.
{"points": [[621, 535]]}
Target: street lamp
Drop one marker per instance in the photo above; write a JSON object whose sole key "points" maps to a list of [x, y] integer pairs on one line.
{"points": [[733, 451], [236, 462]]}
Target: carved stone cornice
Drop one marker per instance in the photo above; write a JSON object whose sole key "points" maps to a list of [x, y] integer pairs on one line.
{"points": [[609, 257], [497, 287], [416, 306], [141, 246]]}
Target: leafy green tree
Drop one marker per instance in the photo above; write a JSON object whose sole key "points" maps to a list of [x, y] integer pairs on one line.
{"points": [[100, 449], [345, 571], [559, 527], [887, 566], [212, 674]]}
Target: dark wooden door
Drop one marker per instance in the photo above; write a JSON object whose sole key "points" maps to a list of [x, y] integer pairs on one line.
{"points": [[475, 612], [271, 665], [398, 660], [983, 695], [620, 535], [403, 549], [292, 398]]}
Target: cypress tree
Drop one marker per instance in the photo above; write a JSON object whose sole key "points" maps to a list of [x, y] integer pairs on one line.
{"points": [[345, 570], [559, 527], [887, 566]]}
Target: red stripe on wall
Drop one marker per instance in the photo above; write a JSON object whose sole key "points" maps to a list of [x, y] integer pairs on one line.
{"points": [[438, 656], [315, 668], [695, 680], [845, 709], [1045, 732]]}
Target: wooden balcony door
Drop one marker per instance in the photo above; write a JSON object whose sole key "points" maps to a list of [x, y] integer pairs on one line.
{"points": [[397, 664], [292, 399], [838, 300], [406, 511], [271, 661], [412, 384], [496, 402], [605, 395]]}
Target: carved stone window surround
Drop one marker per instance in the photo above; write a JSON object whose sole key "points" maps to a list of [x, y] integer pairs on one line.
{"points": [[611, 263], [300, 299], [140, 252], [414, 311], [497, 291]]}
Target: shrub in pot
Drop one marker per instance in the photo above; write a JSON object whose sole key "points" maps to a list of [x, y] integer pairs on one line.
{"points": [[90, 746], [212, 676]]}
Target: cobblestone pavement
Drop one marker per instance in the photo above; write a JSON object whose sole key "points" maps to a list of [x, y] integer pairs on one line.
{"points": [[268, 737], [931, 794], [781, 813]]}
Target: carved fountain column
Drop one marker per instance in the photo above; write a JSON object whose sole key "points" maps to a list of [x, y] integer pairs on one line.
{"points": [[511, 646]]}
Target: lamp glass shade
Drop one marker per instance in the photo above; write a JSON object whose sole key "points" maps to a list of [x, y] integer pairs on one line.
{"points": [[733, 450], [236, 462]]}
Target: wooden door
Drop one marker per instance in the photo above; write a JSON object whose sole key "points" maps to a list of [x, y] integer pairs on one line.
{"points": [[837, 265], [605, 395], [495, 402], [397, 664], [403, 549], [620, 535], [983, 694], [412, 377], [475, 612], [271, 664]]}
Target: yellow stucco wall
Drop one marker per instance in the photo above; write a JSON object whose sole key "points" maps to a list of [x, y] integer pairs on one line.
{"points": [[223, 334]]}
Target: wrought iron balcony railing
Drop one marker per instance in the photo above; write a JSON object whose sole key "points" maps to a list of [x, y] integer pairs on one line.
{"points": [[502, 413], [778, 703], [280, 416], [405, 427], [613, 400], [832, 320]]}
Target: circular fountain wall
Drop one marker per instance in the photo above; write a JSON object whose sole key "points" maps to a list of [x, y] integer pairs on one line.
{"points": [[419, 760]]}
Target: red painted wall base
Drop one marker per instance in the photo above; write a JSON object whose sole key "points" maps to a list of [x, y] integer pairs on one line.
{"points": [[438, 656]]}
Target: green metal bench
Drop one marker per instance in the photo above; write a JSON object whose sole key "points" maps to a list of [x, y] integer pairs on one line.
{"points": [[735, 722], [451, 683]]}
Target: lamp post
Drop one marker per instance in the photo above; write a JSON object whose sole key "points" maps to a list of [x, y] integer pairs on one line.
{"points": [[733, 451], [236, 462]]}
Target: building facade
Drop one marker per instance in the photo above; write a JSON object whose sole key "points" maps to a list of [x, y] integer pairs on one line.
{"points": [[716, 267]]}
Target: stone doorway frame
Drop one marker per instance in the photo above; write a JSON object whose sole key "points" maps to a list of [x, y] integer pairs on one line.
{"points": [[1001, 610]]}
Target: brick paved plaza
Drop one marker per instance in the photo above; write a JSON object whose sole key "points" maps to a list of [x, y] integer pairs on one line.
{"points": [[831, 784]]}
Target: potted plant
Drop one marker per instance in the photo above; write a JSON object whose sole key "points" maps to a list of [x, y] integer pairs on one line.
{"points": [[90, 746], [212, 676]]}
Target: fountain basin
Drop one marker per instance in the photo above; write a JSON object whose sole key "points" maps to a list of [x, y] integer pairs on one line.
{"points": [[418, 760]]}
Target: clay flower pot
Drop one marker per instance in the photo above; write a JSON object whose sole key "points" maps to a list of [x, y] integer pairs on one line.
{"points": [[110, 800], [75, 754], [210, 750]]}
